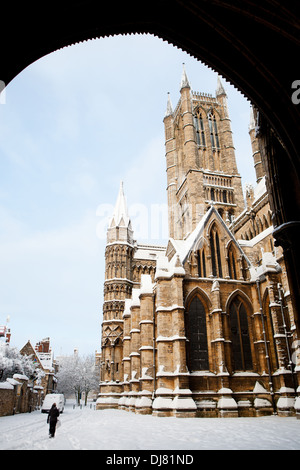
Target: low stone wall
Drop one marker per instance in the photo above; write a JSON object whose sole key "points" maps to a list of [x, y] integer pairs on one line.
{"points": [[17, 396]]}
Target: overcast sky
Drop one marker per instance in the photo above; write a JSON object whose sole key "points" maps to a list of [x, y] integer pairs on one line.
{"points": [[73, 125]]}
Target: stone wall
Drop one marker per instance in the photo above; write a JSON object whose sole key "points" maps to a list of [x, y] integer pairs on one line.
{"points": [[18, 396], [7, 399]]}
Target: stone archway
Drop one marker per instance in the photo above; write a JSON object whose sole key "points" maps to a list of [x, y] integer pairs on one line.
{"points": [[251, 44]]}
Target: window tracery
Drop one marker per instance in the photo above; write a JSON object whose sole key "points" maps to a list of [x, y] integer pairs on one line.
{"points": [[197, 345], [240, 340], [215, 253]]}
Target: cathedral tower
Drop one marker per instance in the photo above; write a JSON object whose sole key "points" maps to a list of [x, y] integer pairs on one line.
{"points": [[117, 286], [200, 158]]}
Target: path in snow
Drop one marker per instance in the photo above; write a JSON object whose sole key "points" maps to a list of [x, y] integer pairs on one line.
{"points": [[120, 430]]}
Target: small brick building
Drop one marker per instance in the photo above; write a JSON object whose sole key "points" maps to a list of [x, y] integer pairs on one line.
{"points": [[42, 355]]}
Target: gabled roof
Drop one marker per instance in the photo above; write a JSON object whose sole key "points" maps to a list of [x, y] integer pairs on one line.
{"points": [[28, 350], [183, 248]]}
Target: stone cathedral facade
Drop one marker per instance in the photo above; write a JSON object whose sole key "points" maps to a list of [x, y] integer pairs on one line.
{"points": [[203, 326]]}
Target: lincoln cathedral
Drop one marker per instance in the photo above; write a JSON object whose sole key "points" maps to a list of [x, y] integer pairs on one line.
{"points": [[204, 326]]}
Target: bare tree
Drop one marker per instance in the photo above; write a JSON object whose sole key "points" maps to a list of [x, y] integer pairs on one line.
{"points": [[77, 375]]}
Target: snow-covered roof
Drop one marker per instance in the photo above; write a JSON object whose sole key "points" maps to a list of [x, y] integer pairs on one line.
{"points": [[268, 265], [135, 297], [260, 189], [167, 269], [148, 252], [46, 359], [6, 386], [178, 251], [146, 284], [257, 238], [134, 301], [184, 247], [20, 377], [2, 330], [13, 381]]}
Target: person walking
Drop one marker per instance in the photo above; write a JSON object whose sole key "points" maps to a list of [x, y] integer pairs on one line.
{"points": [[52, 419]]}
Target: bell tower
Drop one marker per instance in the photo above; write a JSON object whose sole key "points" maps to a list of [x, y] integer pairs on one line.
{"points": [[200, 159], [117, 288]]}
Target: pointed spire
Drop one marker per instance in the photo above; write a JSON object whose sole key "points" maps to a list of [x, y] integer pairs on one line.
{"points": [[220, 89], [120, 215], [252, 120], [169, 110], [184, 80]]}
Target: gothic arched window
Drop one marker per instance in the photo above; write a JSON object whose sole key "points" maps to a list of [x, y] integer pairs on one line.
{"points": [[202, 130], [241, 349], [200, 134], [213, 130], [215, 253], [201, 263], [232, 262], [196, 124], [197, 346], [216, 132]]}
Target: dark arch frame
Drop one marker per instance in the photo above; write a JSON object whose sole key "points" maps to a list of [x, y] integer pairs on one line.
{"points": [[240, 35], [250, 43]]}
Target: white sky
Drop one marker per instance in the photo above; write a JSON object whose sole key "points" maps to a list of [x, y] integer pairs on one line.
{"points": [[73, 125]]}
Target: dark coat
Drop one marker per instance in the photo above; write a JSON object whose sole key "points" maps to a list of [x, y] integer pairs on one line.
{"points": [[53, 414]]}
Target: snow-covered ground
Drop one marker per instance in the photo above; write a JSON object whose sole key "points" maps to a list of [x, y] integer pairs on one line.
{"points": [[114, 430]]}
